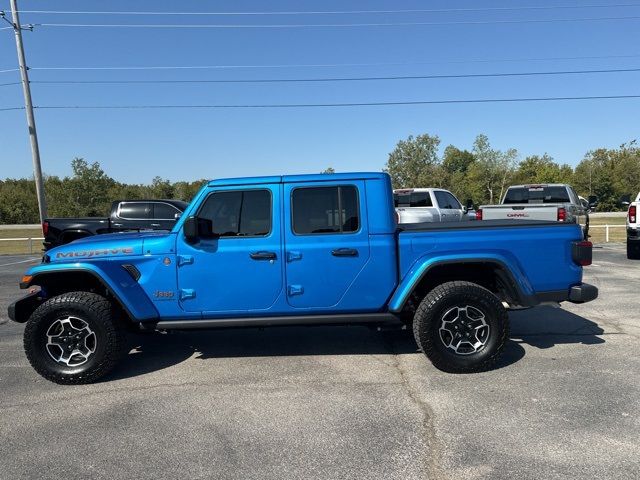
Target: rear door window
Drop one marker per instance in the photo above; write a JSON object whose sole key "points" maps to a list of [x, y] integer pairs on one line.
{"points": [[134, 211], [412, 199], [319, 210]]}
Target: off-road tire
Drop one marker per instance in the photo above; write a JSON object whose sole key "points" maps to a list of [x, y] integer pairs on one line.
{"points": [[633, 249], [430, 316], [98, 313]]}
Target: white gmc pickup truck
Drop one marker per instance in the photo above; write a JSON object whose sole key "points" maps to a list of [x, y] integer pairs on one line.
{"points": [[633, 230], [551, 202]]}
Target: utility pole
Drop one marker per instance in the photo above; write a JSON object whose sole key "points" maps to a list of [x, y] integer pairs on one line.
{"points": [[31, 121]]}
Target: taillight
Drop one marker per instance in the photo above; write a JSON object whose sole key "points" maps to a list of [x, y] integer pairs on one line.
{"points": [[562, 214], [632, 214], [582, 252], [479, 214], [45, 228]]}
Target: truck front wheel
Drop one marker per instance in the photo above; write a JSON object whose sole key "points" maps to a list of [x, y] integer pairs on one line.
{"points": [[73, 338], [461, 327]]}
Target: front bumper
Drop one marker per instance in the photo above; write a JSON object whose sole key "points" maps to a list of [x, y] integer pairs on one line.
{"points": [[20, 310]]}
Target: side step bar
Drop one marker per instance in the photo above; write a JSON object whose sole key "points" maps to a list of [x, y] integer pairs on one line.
{"points": [[299, 320]]}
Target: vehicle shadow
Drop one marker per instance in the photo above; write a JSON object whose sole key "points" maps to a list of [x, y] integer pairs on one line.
{"points": [[541, 327], [151, 352], [545, 327]]}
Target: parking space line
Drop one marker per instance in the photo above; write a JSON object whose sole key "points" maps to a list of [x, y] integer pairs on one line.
{"points": [[21, 261]]}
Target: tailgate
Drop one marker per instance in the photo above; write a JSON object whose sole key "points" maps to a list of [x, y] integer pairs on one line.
{"points": [[520, 212]]}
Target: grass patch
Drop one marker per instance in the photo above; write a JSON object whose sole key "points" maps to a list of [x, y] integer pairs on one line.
{"points": [[607, 221], [20, 246], [598, 233]]}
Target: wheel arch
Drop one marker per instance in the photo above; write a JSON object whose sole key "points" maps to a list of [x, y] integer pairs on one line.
{"points": [[116, 284], [492, 273]]}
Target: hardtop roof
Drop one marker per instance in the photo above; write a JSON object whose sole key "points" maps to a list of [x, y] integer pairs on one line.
{"points": [[315, 177]]}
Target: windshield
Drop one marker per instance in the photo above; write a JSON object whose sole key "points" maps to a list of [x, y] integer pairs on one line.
{"points": [[537, 194]]}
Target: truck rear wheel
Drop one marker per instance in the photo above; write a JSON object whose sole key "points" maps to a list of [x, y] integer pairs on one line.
{"points": [[73, 338], [633, 249], [461, 327]]}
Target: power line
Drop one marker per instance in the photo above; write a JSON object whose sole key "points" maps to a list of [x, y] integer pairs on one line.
{"points": [[332, 65], [328, 105], [6, 109], [337, 12], [11, 83], [332, 25], [343, 79]]}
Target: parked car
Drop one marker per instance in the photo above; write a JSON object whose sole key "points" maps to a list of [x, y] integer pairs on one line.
{"points": [[633, 230], [126, 215], [551, 202], [297, 250], [417, 205]]}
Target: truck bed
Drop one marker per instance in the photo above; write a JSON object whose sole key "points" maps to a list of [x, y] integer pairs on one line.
{"points": [[532, 246]]}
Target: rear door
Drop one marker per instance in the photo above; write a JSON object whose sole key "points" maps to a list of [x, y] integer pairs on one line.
{"points": [[133, 216], [326, 242]]}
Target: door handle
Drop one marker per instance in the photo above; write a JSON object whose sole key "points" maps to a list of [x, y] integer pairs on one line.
{"points": [[155, 224], [117, 224], [344, 252], [263, 255]]}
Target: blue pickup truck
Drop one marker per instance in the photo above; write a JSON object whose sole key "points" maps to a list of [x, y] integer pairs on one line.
{"points": [[297, 250]]}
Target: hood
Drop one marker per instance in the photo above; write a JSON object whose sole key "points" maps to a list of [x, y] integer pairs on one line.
{"points": [[103, 246]]}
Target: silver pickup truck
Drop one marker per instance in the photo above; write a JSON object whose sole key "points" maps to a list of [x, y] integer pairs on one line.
{"points": [[419, 205], [551, 202]]}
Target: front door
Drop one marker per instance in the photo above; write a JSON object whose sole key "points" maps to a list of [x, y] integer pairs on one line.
{"points": [[326, 242], [450, 207], [240, 269]]}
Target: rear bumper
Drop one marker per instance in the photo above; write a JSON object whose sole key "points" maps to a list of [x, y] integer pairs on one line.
{"points": [[577, 294]]}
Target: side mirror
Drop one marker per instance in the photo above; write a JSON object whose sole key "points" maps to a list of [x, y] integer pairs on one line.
{"points": [[190, 229], [195, 228]]}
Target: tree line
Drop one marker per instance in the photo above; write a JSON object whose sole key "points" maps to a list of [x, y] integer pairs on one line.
{"points": [[484, 173], [481, 175], [87, 193]]}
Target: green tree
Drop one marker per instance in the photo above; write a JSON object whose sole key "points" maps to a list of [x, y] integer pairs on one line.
{"points": [[415, 163], [89, 188], [455, 166], [491, 172], [542, 169]]}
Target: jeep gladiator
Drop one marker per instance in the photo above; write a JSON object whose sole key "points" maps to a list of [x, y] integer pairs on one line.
{"points": [[297, 250]]}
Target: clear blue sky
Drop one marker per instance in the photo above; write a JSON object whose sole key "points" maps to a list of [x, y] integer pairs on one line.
{"points": [[136, 145]]}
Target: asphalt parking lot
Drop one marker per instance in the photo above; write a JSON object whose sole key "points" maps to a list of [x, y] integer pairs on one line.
{"points": [[340, 402]]}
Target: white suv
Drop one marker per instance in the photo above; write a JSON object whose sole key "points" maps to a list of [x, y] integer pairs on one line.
{"points": [[418, 205]]}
